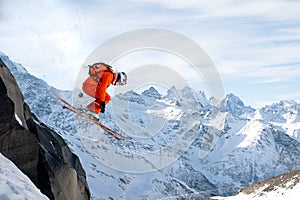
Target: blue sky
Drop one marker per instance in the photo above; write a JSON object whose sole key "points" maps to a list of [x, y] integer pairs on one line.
{"points": [[254, 45]]}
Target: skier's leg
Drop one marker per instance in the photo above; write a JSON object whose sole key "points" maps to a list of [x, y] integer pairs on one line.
{"points": [[89, 86], [94, 107], [107, 98]]}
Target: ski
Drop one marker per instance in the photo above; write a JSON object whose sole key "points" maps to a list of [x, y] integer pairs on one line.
{"points": [[109, 131]]}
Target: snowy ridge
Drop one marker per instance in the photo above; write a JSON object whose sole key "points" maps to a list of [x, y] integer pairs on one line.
{"points": [[235, 106], [251, 146], [285, 186], [285, 114], [15, 185], [2, 54]]}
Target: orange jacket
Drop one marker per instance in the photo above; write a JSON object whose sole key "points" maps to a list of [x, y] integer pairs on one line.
{"points": [[99, 80], [105, 79]]}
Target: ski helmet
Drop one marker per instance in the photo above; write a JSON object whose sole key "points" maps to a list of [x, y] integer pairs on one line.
{"points": [[121, 78]]}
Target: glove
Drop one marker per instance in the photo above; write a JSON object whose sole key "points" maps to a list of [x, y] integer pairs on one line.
{"points": [[102, 106]]}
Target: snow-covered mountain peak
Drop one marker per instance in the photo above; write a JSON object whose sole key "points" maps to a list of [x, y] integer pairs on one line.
{"points": [[187, 92], [289, 105], [2, 54], [232, 101], [13, 67], [251, 133], [174, 92], [285, 114], [281, 112], [235, 105], [19, 68], [152, 93], [131, 97], [203, 99], [241, 135]]}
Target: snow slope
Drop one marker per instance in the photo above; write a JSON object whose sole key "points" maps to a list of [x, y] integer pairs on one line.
{"points": [[15, 185], [285, 186]]}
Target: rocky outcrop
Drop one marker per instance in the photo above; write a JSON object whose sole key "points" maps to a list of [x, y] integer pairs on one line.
{"points": [[35, 149]]}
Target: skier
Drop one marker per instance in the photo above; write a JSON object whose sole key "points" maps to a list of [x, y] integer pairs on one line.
{"points": [[101, 76]]}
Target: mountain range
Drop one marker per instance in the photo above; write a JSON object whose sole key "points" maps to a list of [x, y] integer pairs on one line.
{"points": [[205, 159]]}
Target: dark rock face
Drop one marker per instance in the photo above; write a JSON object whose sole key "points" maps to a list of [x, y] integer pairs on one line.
{"points": [[37, 150]]}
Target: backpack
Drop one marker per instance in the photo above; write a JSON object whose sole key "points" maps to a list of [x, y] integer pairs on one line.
{"points": [[96, 70]]}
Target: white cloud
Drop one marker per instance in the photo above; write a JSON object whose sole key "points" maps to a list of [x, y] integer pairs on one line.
{"points": [[268, 81], [245, 36], [266, 9], [283, 73]]}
